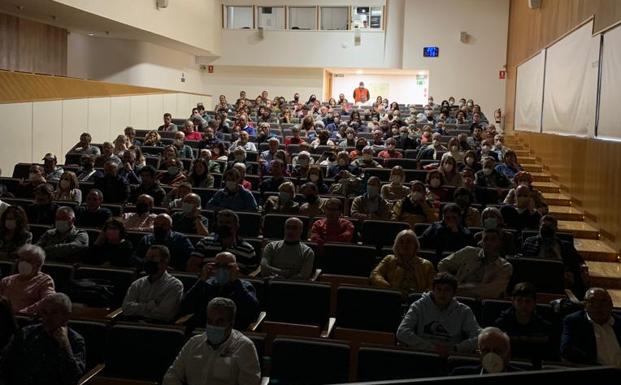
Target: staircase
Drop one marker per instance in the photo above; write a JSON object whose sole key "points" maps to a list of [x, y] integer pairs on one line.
{"points": [[603, 260]]}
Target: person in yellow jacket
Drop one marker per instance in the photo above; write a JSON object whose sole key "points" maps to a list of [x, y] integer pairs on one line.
{"points": [[404, 270], [415, 207]]}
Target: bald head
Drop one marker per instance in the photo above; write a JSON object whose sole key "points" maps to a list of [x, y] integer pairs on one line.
{"points": [[162, 224], [494, 340], [598, 305], [293, 229]]}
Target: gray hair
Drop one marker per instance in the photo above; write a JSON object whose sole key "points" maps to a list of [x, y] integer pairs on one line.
{"points": [[66, 209], [491, 330], [59, 300], [33, 250], [225, 304]]}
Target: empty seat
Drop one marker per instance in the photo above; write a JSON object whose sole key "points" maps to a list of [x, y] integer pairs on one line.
{"points": [[491, 309], [95, 337], [381, 233], [548, 276], [377, 364], [119, 279], [187, 279], [141, 352], [348, 259], [368, 309], [298, 302], [309, 362], [61, 273], [249, 224]]}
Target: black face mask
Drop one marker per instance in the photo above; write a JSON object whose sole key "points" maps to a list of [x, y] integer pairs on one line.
{"points": [[224, 231], [160, 233], [151, 267], [462, 202], [311, 199], [547, 232], [142, 208], [359, 147], [87, 166]]}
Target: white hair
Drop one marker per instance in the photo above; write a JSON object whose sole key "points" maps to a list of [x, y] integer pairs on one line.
{"points": [[32, 250], [59, 300], [225, 304], [491, 330], [66, 209]]}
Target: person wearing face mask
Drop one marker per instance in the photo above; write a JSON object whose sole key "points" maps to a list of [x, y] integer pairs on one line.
{"points": [[447, 234], [509, 166], [68, 188], [436, 186], [482, 272], [390, 151], [313, 205], [232, 196], [438, 322], [522, 215], [434, 150], [366, 159], [242, 172], [65, 242], [157, 295], [43, 210], [115, 189], [495, 352], [396, 189], [289, 258], [111, 246], [488, 177], [224, 237], [342, 164], [28, 185], [471, 162], [141, 219], [361, 144], [475, 141], [88, 173], [238, 156], [14, 231], [332, 228], [29, 286], [276, 177], [547, 245], [471, 217], [370, 205], [301, 164], [455, 151], [183, 150], [149, 186], [179, 245], [282, 203], [404, 270], [174, 173], [189, 220], [415, 207], [91, 214], [221, 355], [403, 139], [491, 218], [349, 139], [448, 168], [63, 348], [524, 178], [51, 171], [531, 335]]}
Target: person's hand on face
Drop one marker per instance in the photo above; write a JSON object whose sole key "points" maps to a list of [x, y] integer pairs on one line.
{"points": [[207, 271], [61, 336]]}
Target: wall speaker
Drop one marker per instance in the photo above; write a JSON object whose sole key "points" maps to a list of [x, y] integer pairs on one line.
{"points": [[161, 3], [534, 4]]}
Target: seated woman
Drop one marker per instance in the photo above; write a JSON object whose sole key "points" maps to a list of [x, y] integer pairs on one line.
{"points": [[414, 208], [395, 190], [111, 246], [199, 174], [470, 216], [174, 172], [68, 188], [219, 152], [523, 178], [404, 270], [283, 203], [455, 151], [437, 187], [448, 168], [491, 218], [315, 176], [509, 166], [152, 138], [14, 231], [471, 161]]}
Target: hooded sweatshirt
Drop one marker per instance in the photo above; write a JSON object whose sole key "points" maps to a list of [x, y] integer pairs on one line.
{"points": [[426, 325]]}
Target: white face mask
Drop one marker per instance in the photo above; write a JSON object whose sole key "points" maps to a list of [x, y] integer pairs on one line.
{"points": [[62, 226], [492, 363], [454, 148], [396, 179], [448, 167], [314, 177], [435, 182], [10, 224], [24, 268], [417, 195], [470, 161], [187, 208], [64, 184]]}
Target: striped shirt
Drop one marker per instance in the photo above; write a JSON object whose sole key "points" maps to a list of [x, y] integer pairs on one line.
{"points": [[247, 259]]}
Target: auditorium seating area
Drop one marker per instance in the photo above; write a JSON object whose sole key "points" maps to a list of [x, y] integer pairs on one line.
{"points": [[336, 321]]}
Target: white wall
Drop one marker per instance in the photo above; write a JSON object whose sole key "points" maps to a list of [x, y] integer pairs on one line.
{"points": [[55, 126], [462, 70], [229, 80], [192, 22], [132, 62]]}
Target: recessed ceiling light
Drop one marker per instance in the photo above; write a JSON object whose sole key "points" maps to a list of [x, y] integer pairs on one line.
{"points": [[358, 72], [91, 34]]}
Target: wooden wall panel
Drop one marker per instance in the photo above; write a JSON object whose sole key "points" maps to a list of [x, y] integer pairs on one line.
{"points": [[32, 47]]}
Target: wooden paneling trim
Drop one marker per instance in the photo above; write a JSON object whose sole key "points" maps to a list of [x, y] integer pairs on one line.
{"points": [[589, 169], [27, 87]]}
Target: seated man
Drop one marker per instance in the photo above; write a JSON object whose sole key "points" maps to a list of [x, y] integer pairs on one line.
{"points": [[168, 124], [43, 210], [225, 238], [150, 186], [142, 219], [221, 355], [523, 214], [530, 334], [88, 172], [29, 286], [92, 214], [495, 352], [488, 176], [370, 205], [190, 220], [366, 160], [84, 147], [179, 245], [289, 258], [332, 228], [448, 234], [313, 205], [438, 322], [220, 278], [115, 189], [233, 196], [481, 271], [48, 352], [276, 178], [547, 245], [65, 242], [51, 171], [157, 295], [593, 336]]}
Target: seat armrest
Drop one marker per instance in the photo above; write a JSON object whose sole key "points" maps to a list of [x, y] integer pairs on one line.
{"points": [[255, 325], [265, 380], [572, 297], [184, 319], [316, 275], [327, 332], [115, 314], [91, 373]]}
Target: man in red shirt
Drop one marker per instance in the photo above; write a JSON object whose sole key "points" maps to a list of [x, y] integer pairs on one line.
{"points": [[190, 133], [332, 228], [361, 92]]}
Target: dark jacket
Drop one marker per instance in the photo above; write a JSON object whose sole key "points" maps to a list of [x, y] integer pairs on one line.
{"points": [[440, 238], [578, 342]]}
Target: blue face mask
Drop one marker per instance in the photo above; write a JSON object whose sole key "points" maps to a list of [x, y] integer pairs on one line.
{"points": [[215, 334], [222, 276]]}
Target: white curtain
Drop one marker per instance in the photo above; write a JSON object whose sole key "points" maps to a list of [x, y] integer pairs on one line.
{"points": [[529, 94], [610, 93], [570, 92], [302, 18]]}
